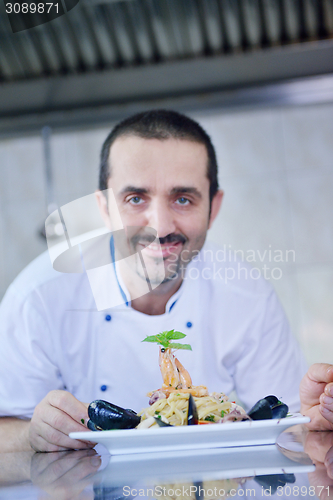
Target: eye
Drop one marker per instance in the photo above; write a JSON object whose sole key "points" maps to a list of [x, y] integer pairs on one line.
{"points": [[136, 200], [183, 201]]}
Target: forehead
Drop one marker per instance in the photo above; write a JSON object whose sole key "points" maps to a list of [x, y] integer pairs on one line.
{"points": [[152, 162]]}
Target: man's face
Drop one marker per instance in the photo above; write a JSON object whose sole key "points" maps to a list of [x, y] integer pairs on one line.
{"points": [[162, 185]]}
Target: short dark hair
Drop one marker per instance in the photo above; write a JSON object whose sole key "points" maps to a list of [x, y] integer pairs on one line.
{"points": [[160, 124]]}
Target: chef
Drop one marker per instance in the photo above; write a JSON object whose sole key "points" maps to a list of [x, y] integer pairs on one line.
{"points": [[60, 348]]}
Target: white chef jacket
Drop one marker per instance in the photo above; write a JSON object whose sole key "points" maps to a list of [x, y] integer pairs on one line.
{"points": [[53, 337]]}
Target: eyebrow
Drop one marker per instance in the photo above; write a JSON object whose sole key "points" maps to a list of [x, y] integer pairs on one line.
{"points": [[174, 191], [133, 189], [186, 190]]}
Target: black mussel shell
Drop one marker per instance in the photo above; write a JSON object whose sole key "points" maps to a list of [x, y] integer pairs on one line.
{"points": [[192, 413], [280, 411], [273, 400], [131, 411], [199, 490], [261, 410], [109, 416], [92, 426], [160, 422], [273, 481], [104, 492]]}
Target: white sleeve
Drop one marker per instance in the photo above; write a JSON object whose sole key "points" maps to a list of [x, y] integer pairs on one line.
{"points": [[28, 368], [271, 361]]}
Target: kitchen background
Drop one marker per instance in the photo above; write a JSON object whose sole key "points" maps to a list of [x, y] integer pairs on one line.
{"points": [[275, 155], [276, 168]]}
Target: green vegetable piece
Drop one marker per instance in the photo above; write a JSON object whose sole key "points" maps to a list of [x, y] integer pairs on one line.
{"points": [[222, 413], [210, 418], [153, 338], [164, 339], [180, 346], [172, 335], [82, 420]]}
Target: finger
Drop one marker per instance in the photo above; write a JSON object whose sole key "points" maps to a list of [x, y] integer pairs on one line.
{"points": [[313, 384], [65, 462], [326, 401], [74, 480], [41, 461], [67, 403], [48, 467], [55, 443], [329, 390], [39, 444], [317, 444], [59, 439], [326, 410], [53, 425], [61, 421], [321, 372], [83, 468]]}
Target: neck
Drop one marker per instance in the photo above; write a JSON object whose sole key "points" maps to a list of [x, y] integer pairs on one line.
{"points": [[154, 302]]}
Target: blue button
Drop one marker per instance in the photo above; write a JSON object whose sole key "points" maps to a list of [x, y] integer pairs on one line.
{"points": [[104, 387], [189, 324], [108, 317]]}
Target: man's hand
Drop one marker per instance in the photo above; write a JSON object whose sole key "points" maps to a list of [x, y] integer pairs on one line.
{"points": [[58, 414], [65, 475], [319, 447], [316, 392]]}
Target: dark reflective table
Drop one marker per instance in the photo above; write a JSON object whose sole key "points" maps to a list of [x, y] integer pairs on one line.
{"points": [[300, 465]]}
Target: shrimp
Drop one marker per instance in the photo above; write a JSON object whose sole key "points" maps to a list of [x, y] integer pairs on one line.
{"points": [[173, 373], [175, 376], [184, 376], [168, 368]]}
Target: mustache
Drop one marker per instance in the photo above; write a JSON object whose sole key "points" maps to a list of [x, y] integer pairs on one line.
{"points": [[149, 238], [172, 238]]}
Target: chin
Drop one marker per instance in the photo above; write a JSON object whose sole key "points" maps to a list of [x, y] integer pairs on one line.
{"points": [[168, 279]]}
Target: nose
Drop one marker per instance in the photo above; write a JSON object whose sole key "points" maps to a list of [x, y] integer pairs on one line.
{"points": [[161, 218]]}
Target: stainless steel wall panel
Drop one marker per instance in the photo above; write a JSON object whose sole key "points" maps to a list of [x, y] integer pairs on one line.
{"points": [[213, 25], [106, 43]]}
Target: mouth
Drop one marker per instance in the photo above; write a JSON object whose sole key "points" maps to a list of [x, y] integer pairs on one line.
{"points": [[163, 249]]}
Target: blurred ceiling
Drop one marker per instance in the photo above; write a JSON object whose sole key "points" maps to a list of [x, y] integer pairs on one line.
{"points": [[105, 57]]}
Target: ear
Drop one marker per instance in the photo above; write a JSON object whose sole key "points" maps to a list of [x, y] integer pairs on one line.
{"points": [[103, 208], [215, 207]]}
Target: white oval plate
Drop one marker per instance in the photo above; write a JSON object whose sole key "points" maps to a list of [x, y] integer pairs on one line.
{"points": [[248, 433]]}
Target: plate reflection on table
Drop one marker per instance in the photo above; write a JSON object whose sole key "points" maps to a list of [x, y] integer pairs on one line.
{"points": [[201, 475], [207, 474], [205, 465]]}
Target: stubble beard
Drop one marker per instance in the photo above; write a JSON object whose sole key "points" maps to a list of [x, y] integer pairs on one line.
{"points": [[159, 270], [163, 271]]}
